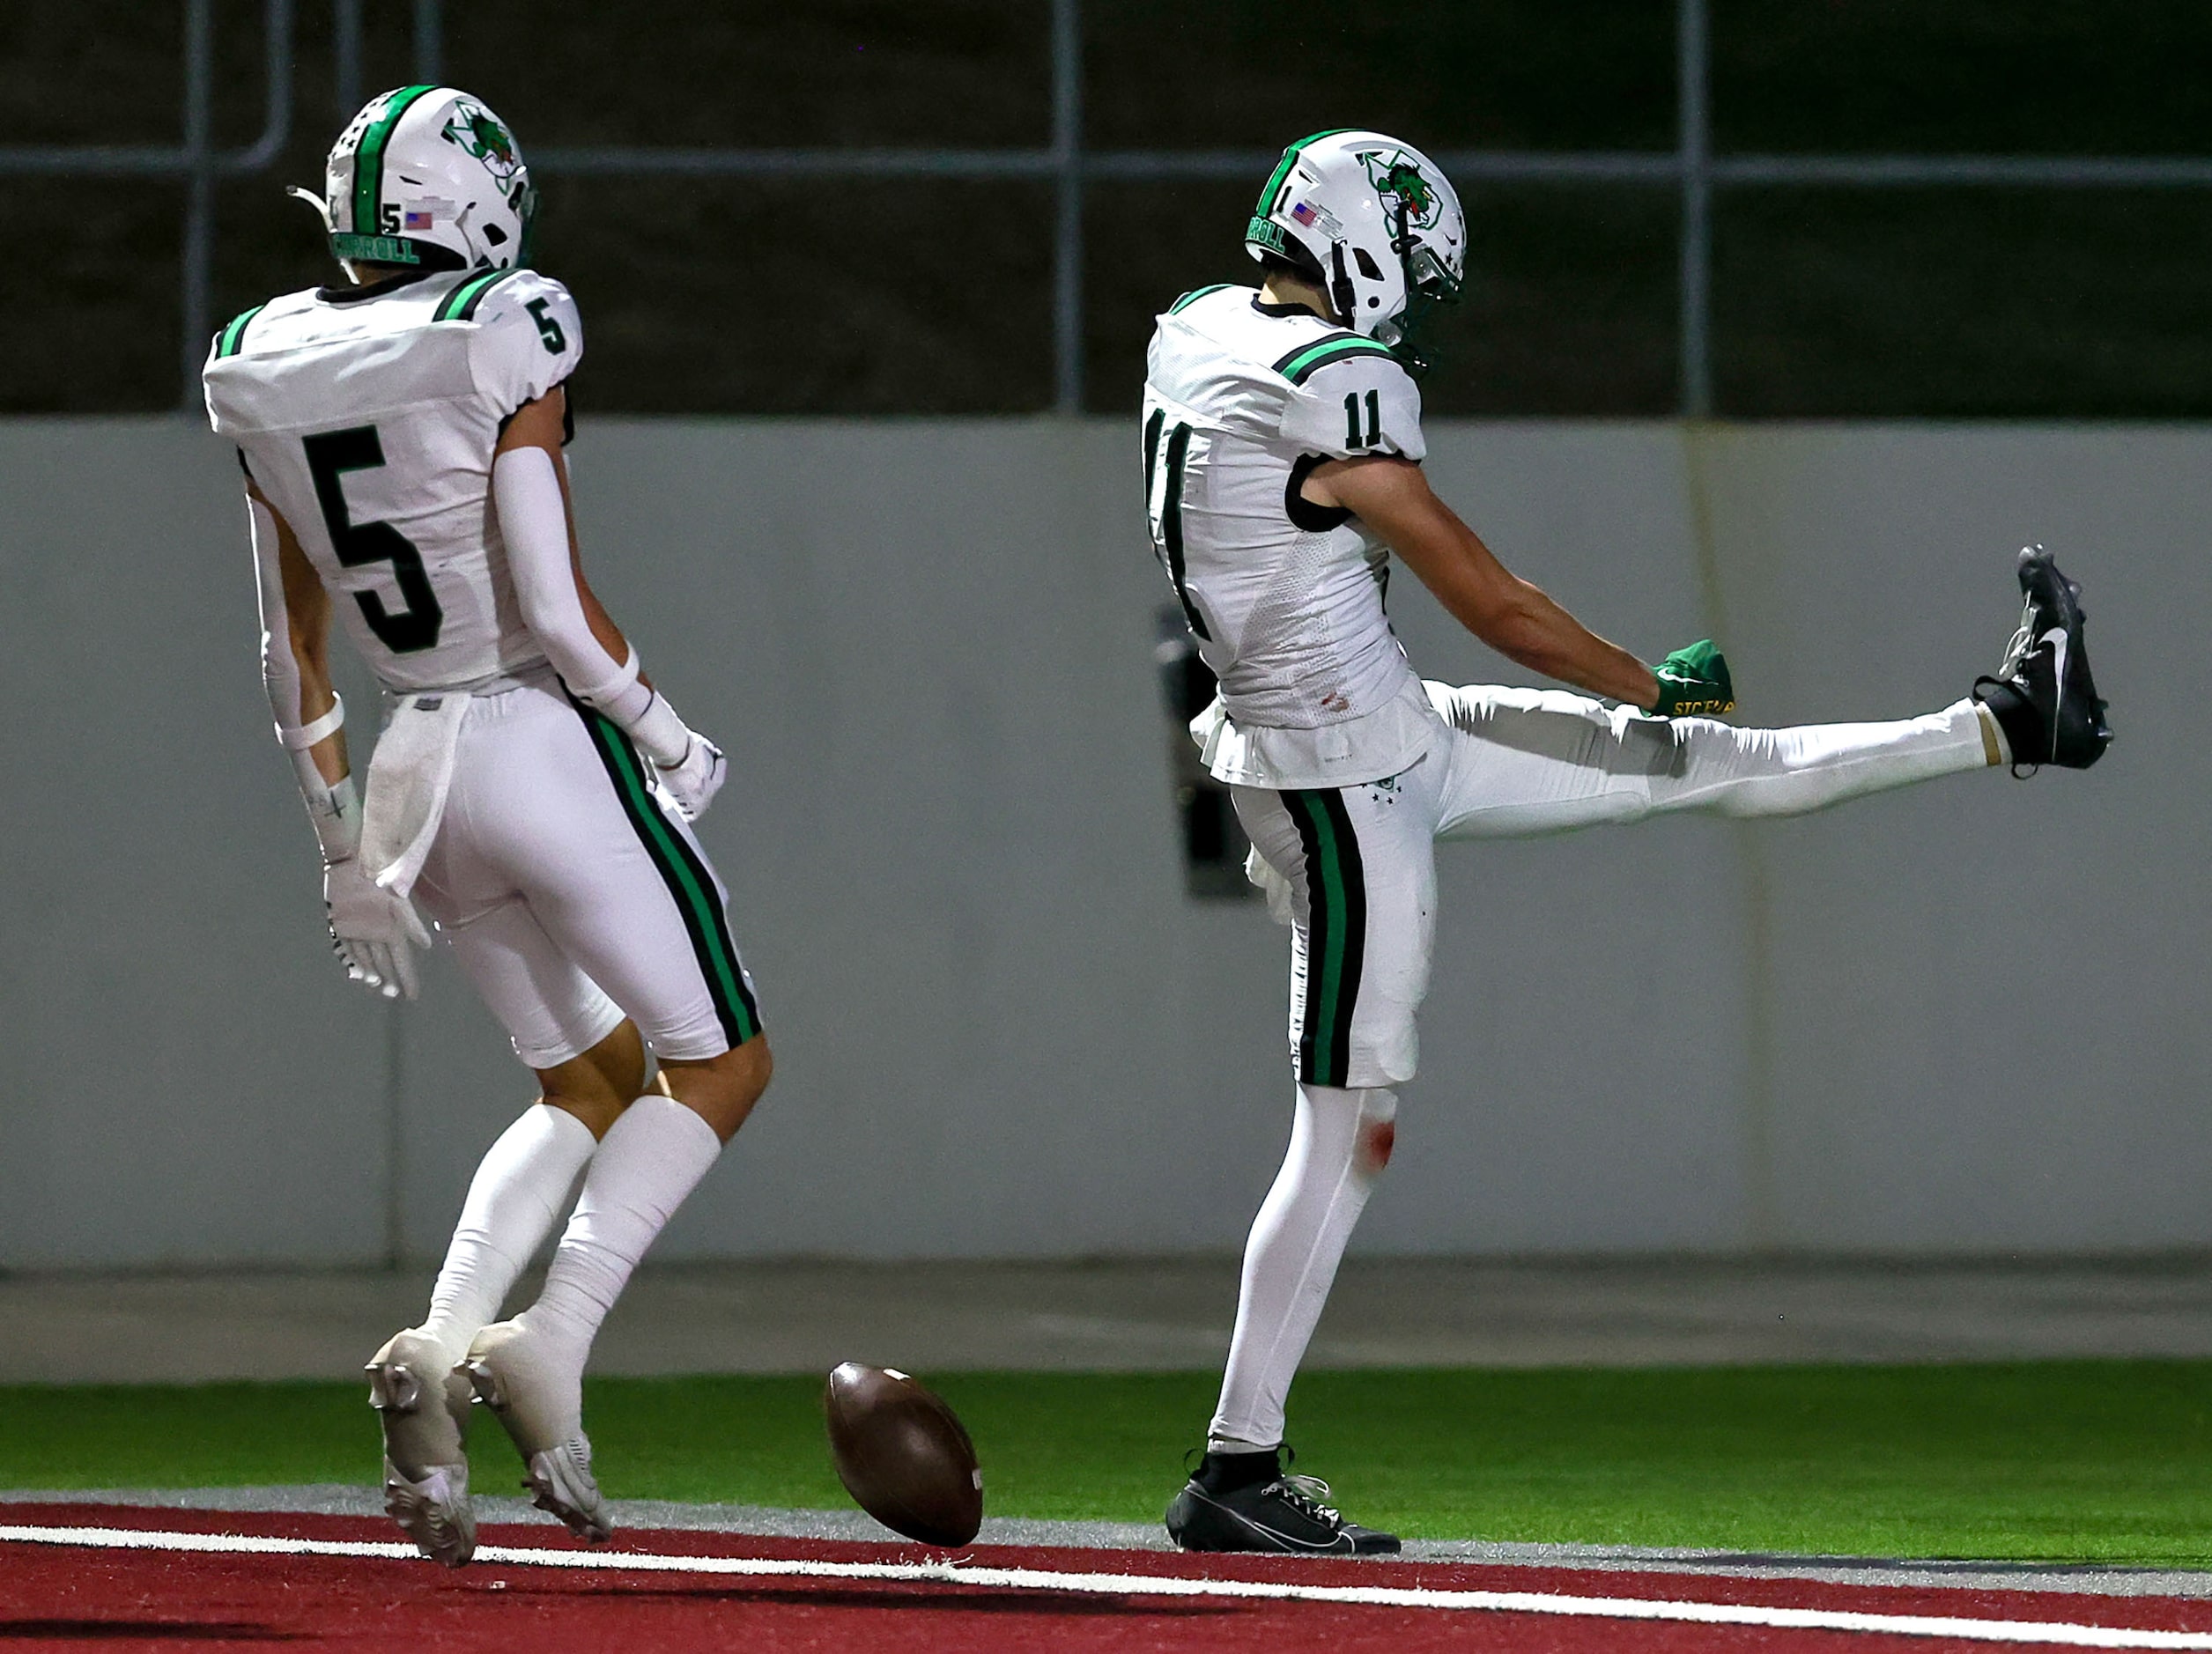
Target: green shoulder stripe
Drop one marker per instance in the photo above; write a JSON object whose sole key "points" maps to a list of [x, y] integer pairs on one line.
{"points": [[1190, 298], [233, 337], [461, 304], [1300, 365]]}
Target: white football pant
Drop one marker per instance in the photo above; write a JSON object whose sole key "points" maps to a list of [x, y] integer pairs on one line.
{"points": [[571, 898], [1360, 861]]}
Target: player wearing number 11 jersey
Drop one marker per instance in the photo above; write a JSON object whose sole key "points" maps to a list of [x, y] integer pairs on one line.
{"points": [[1283, 447], [401, 435]]}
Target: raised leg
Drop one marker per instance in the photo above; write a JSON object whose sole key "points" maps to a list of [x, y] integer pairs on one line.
{"points": [[1528, 761]]}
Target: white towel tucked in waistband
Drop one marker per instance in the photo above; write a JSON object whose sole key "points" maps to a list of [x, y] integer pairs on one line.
{"points": [[408, 779]]}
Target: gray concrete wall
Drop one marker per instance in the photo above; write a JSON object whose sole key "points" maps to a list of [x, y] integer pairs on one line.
{"points": [[1971, 1018]]}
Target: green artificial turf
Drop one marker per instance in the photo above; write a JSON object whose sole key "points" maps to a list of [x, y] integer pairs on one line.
{"points": [[2076, 1461]]}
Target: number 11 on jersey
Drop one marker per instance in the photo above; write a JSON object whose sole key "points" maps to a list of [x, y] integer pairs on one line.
{"points": [[1352, 439]]}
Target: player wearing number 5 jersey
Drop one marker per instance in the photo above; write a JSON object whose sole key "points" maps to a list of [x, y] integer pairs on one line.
{"points": [[1283, 447], [401, 434]]}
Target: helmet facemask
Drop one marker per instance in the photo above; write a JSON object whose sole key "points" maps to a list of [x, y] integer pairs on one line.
{"points": [[1431, 283], [524, 201]]}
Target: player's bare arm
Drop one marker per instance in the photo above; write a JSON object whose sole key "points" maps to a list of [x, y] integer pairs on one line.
{"points": [[305, 616], [1392, 496], [1394, 499]]}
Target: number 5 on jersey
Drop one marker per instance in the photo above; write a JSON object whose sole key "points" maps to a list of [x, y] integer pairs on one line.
{"points": [[549, 333], [358, 544]]}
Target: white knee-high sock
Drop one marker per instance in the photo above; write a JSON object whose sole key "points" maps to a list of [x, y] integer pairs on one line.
{"points": [[648, 1161], [1339, 1142], [522, 1185]]}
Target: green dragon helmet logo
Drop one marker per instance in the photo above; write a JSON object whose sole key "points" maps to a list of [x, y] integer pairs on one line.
{"points": [[478, 131], [1398, 181]]}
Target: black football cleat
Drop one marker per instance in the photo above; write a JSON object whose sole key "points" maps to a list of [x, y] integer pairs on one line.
{"points": [[2043, 696], [1242, 1502]]}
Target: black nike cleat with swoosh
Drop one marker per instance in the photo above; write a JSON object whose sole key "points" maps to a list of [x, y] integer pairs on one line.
{"points": [[1280, 1515], [2043, 697]]}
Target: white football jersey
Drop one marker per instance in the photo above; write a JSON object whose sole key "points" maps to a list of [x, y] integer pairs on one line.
{"points": [[1242, 400], [368, 416]]}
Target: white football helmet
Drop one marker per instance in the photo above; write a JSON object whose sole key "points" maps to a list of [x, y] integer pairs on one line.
{"points": [[427, 177], [1373, 222]]}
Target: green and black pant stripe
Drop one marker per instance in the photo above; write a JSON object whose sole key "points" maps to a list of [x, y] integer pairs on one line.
{"points": [[1336, 932], [698, 899]]}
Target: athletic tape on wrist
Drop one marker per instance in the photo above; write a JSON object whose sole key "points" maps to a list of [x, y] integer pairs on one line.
{"points": [[322, 730], [660, 734], [334, 810]]}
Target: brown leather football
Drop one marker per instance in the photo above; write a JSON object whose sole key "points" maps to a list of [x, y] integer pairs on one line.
{"points": [[902, 1455]]}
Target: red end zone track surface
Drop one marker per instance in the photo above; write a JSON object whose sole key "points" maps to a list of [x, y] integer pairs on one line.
{"points": [[684, 1591]]}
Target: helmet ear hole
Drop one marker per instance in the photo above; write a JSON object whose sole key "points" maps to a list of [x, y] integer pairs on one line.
{"points": [[1367, 265], [495, 235]]}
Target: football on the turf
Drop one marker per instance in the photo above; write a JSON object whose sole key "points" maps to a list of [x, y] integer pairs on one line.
{"points": [[902, 1455]]}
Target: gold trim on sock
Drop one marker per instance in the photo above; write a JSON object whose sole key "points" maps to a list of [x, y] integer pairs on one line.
{"points": [[1993, 741]]}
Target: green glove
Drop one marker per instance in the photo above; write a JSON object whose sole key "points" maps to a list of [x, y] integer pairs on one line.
{"points": [[1694, 682]]}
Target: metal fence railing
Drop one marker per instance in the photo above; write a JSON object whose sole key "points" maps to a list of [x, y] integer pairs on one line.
{"points": [[1690, 169]]}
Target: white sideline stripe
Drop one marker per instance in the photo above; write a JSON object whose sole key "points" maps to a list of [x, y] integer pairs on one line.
{"points": [[1146, 1585]]}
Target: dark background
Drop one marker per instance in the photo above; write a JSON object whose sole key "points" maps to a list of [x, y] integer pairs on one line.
{"points": [[913, 297]]}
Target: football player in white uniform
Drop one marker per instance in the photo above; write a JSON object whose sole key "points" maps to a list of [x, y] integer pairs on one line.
{"points": [[401, 435], [1283, 450]]}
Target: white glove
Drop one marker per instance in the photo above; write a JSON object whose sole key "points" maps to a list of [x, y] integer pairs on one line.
{"points": [[372, 929], [692, 784]]}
